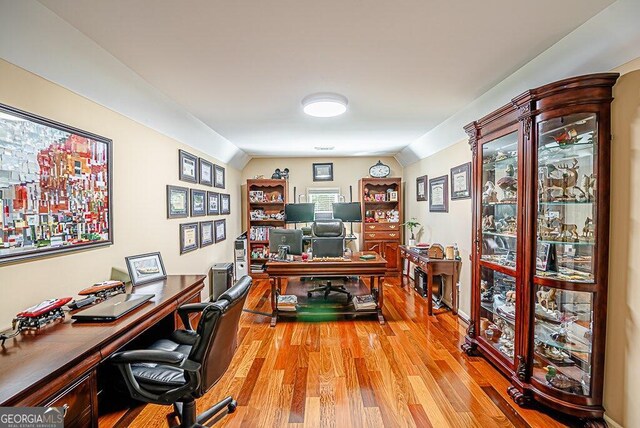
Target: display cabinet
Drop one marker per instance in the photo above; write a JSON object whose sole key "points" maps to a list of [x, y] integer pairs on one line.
{"points": [[541, 168]]}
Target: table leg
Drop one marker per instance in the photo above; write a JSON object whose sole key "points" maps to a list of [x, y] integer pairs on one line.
{"points": [[275, 285], [430, 289], [380, 299], [454, 290]]}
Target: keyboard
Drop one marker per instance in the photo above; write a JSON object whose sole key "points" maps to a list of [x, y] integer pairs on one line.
{"points": [[329, 259]]}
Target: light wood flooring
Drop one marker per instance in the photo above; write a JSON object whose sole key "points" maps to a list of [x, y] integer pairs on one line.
{"points": [[355, 373]]}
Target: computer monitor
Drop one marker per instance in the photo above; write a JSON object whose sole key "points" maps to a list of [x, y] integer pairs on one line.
{"points": [[299, 213], [285, 237], [347, 211]]}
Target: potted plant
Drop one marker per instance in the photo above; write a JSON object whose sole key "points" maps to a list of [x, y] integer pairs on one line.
{"points": [[412, 224]]}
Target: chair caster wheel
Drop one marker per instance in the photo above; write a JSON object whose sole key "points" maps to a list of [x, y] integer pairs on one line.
{"points": [[232, 406]]}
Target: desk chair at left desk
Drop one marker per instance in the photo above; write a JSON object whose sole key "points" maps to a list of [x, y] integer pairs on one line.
{"points": [[179, 369]]}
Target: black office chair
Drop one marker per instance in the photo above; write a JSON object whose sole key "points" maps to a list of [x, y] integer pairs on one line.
{"points": [[327, 239], [184, 367]]}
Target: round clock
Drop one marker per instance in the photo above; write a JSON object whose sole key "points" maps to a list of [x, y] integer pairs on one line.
{"points": [[379, 170]]}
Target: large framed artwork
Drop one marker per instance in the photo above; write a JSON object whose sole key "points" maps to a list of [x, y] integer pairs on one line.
{"points": [[461, 181], [439, 194], [145, 268], [206, 172], [189, 237], [177, 202], [55, 187], [218, 176], [421, 188], [220, 230], [188, 165]]}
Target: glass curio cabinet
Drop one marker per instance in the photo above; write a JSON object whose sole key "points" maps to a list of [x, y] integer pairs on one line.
{"points": [[541, 168]]}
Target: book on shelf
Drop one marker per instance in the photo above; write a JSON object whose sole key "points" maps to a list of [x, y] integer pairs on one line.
{"points": [[259, 233], [364, 303], [287, 302]]}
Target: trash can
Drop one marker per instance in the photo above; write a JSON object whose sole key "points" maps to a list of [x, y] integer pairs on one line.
{"points": [[220, 279]]}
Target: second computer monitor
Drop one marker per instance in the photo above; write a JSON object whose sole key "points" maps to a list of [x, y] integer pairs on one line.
{"points": [[347, 211], [291, 238], [299, 213]]}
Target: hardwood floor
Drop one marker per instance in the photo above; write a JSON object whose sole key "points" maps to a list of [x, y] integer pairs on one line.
{"points": [[355, 373]]}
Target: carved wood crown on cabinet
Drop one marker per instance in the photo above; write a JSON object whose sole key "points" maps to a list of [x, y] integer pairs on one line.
{"points": [[541, 175]]}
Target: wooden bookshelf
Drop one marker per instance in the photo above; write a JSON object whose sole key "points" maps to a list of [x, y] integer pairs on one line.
{"points": [[274, 197], [382, 236]]}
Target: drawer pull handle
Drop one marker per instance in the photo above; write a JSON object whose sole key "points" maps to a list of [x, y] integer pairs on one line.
{"points": [[392, 235], [372, 227], [392, 227], [65, 409], [372, 235]]}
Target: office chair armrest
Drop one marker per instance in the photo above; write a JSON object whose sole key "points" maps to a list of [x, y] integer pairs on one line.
{"points": [[149, 356], [189, 308]]}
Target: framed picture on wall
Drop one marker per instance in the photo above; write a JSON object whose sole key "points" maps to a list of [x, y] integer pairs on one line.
{"points": [[219, 176], [421, 188], [213, 203], [188, 167], [177, 202], [225, 203], [56, 188], [439, 194], [145, 268], [206, 172], [323, 171], [198, 203], [206, 233], [189, 237], [461, 181], [220, 227]]}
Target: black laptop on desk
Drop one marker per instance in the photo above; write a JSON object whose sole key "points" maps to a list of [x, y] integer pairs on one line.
{"points": [[113, 308]]}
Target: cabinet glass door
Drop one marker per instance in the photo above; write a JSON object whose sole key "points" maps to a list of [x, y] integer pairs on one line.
{"points": [[498, 310], [499, 200], [566, 224], [562, 339]]}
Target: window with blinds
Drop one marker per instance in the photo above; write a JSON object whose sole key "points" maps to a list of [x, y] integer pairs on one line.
{"points": [[324, 199]]}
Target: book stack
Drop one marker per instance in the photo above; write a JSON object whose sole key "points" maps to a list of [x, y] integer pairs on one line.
{"points": [[287, 302], [364, 303]]}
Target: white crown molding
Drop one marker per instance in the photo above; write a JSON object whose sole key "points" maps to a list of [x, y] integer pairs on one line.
{"points": [[604, 42], [36, 39]]}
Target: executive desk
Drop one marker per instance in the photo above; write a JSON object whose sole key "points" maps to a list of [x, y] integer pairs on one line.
{"points": [[374, 269], [56, 366], [433, 267]]}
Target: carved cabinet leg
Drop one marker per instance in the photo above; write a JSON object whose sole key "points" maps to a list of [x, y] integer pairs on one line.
{"points": [[522, 400], [595, 423], [469, 349]]}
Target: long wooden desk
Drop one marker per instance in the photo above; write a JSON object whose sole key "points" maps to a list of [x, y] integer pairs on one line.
{"points": [[374, 269], [433, 267], [56, 366]]}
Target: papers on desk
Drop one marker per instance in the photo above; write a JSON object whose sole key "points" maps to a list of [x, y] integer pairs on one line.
{"points": [[287, 302], [364, 303]]}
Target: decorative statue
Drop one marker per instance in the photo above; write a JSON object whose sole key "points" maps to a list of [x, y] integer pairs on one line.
{"points": [[488, 223], [589, 186], [278, 174], [567, 179], [567, 138], [509, 184], [567, 232], [588, 229], [489, 194], [546, 299]]}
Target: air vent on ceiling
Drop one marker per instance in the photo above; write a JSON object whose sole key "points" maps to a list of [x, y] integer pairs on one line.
{"points": [[324, 148]]}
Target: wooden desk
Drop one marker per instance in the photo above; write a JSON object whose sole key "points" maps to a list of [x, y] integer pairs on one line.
{"points": [[57, 365], [374, 269], [433, 267]]}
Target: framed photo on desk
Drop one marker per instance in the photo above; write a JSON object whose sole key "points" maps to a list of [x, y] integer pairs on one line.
{"points": [[145, 268]]}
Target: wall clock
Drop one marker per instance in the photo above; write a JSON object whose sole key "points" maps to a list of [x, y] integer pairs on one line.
{"points": [[379, 170]]}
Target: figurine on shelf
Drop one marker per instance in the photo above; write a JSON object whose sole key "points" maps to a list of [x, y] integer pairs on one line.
{"points": [[562, 176], [589, 186], [567, 232], [367, 195], [567, 138], [501, 156], [588, 229], [488, 224], [489, 195], [486, 292], [510, 296], [278, 174], [509, 184], [547, 299], [562, 381]]}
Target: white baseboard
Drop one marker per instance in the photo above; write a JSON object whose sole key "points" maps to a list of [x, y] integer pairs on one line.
{"points": [[611, 422]]}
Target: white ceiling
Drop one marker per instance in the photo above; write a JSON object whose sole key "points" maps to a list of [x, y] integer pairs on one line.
{"points": [[243, 67]]}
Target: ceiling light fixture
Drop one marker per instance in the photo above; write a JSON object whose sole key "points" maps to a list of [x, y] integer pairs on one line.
{"points": [[324, 104], [324, 147]]}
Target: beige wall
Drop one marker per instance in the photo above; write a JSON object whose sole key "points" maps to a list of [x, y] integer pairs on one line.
{"points": [[622, 373], [443, 228], [144, 163], [346, 172]]}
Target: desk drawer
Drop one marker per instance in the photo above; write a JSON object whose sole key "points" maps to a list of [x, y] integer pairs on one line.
{"points": [[77, 400], [382, 235], [381, 226]]}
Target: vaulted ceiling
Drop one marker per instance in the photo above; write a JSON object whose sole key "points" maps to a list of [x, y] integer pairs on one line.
{"points": [[243, 67]]}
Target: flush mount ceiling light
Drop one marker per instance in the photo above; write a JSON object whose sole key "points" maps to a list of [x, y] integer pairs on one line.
{"points": [[324, 104]]}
